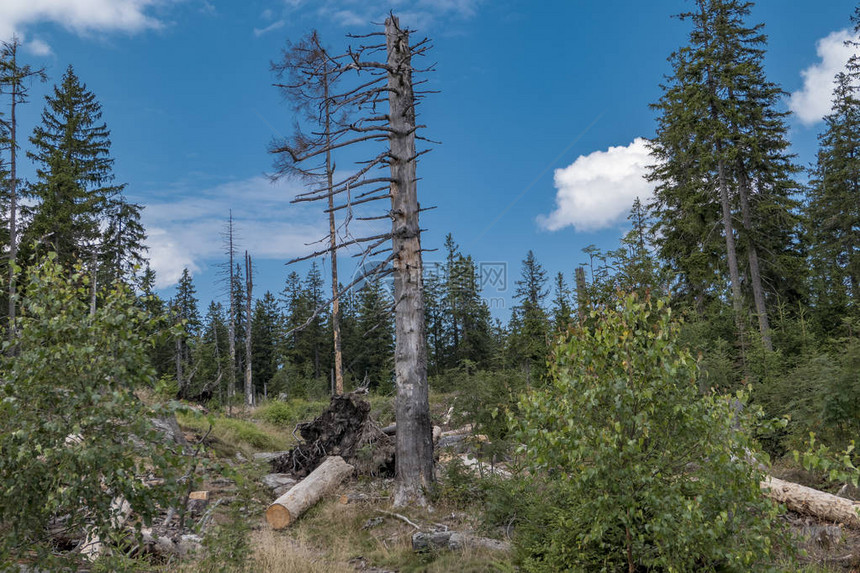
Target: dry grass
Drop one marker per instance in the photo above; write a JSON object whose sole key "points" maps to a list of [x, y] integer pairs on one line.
{"points": [[277, 552]]}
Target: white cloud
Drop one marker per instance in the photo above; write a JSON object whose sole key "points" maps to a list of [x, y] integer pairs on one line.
{"points": [[270, 28], [38, 47], [187, 231], [418, 14], [79, 16], [597, 190], [812, 102]]}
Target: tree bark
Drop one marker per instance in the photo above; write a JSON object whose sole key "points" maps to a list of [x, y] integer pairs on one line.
{"points": [[581, 294], [249, 287], [13, 192], [335, 303], [812, 502], [231, 335], [755, 273], [414, 445], [305, 494]]}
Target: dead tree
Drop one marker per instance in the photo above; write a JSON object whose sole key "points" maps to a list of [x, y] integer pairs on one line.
{"points": [[311, 77], [231, 323], [12, 82], [249, 287], [358, 118]]}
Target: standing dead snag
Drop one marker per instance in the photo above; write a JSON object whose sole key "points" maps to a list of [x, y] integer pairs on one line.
{"points": [[249, 287], [414, 461], [376, 84]]}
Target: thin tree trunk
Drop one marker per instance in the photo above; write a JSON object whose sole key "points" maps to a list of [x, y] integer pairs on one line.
{"points": [[13, 195], [731, 250], [179, 381], [249, 287], [755, 274], [335, 304], [581, 294], [218, 360], [414, 443], [231, 380], [94, 286]]}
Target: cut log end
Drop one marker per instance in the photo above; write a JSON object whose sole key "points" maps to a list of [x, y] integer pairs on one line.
{"points": [[278, 516]]}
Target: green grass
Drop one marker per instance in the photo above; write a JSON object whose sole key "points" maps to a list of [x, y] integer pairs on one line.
{"points": [[234, 434], [288, 414]]}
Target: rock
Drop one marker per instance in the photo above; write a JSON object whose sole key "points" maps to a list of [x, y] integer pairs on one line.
{"points": [[825, 536], [454, 541], [169, 427], [240, 458], [279, 483], [268, 456]]}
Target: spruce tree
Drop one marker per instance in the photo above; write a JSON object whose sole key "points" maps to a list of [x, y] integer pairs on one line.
{"points": [[473, 315], [187, 316], [561, 307], [374, 361], [76, 197], [435, 317], [722, 163], [532, 324], [834, 211], [264, 337]]}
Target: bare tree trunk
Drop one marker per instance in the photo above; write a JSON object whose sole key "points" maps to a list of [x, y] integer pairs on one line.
{"points": [[335, 303], [249, 286], [414, 445], [731, 250], [94, 287], [755, 273], [179, 382], [13, 195], [231, 380], [581, 294]]}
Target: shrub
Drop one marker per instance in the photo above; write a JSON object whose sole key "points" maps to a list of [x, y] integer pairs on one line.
{"points": [[643, 472], [73, 436]]}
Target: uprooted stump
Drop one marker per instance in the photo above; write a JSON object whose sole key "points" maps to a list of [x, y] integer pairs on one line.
{"points": [[344, 429]]}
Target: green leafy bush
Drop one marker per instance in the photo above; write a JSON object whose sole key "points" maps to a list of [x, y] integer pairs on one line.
{"points": [[73, 436], [640, 472]]}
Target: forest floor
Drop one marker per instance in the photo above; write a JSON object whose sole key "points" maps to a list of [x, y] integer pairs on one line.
{"points": [[367, 535]]}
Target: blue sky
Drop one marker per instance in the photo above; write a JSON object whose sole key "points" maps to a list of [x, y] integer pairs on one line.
{"points": [[539, 111]]}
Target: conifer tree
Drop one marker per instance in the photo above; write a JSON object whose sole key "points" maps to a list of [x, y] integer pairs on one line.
{"points": [[473, 314], [187, 315], [533, 325], [75, 193], [376, 331], [561, 307], [211, 355], [14, 78], [721, 145], [264, 335], [435, 317], [834, 210]]}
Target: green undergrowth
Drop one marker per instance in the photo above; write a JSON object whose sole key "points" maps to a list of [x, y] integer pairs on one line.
{"points": [[232, 435]]}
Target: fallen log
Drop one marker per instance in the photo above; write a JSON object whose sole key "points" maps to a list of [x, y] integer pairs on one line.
{"points": [[454, 541], [467, 429], [120, 512], [301, 497], [391, 430], [167, 547], [812, 502]]}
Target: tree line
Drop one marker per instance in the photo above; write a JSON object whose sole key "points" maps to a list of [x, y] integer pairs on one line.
{"points": [[758, 254]]}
